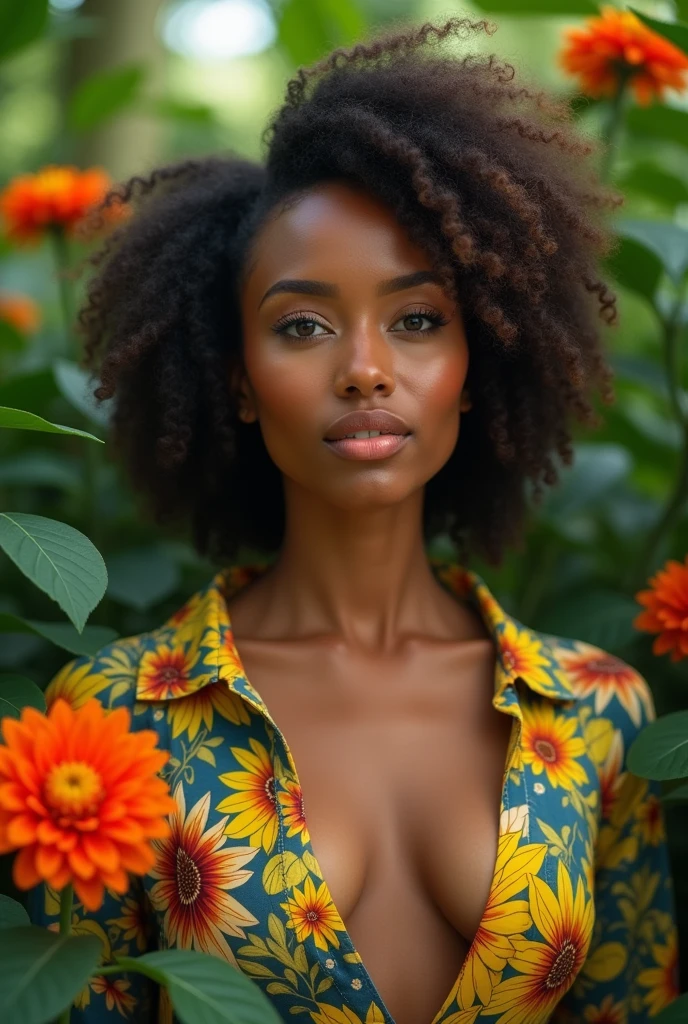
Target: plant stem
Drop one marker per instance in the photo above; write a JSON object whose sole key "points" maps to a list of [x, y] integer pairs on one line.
{"points": [[61, 251], [678, 499], [66, 896], [612, 129]]}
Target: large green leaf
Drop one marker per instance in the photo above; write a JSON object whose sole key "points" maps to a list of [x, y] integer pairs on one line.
{"points": [[11, 340], [17, 692], [75, 385], [652, 180], [12, 913], [675, 1013], [669, 242], [42, 972], [674, 31], [21, 22], [677, 795], [58, 559], [595, 470], [141, 577], [39, 468], [516, 8], [103, 95], [661, 749], [308, 29], [636, 267], [62, 634], [660, 122], [204, 989], [19, 419], [600, 617]]}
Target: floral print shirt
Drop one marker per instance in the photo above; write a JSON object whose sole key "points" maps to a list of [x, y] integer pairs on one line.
{"points": [[579, 924]]}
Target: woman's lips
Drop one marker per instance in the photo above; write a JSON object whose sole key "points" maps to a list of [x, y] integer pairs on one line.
{"points": [[368, 447]]}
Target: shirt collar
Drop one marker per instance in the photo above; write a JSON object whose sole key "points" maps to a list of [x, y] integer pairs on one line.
{"points": [[195, 646]]}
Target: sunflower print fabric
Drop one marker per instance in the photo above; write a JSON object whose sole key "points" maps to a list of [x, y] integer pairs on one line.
{"points": [[579, 924]]}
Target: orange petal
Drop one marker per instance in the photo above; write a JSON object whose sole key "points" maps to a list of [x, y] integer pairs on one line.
{"points": [[49, 861], [24, 871], [22, 830], [80, 864], [102, 851], [90, 892]]}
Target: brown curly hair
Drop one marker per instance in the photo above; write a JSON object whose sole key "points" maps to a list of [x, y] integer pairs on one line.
{"points": [[488, 177]]}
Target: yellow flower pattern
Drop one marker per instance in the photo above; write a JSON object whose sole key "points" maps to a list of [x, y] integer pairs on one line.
{"points": [[579, 925]]}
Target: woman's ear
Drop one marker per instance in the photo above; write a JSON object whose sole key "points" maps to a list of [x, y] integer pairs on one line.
{"points": [[242, 394], [466, 403]]}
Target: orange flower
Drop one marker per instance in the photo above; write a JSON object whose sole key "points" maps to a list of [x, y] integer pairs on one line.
{"points": [[20, 312], [80, 798], [617, 44], [55, 197], [667, 610]]}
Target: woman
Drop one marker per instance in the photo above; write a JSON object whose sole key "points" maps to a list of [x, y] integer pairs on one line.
{"points": [[395, 802]]}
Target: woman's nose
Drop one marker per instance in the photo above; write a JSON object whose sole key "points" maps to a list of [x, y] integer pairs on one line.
{"points": [[365, 362]]}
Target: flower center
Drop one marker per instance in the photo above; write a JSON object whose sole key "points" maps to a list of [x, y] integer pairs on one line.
{"points": [[562, 966], [73, 789], [509, 660], [169, 674], [546, 750], [270, 789], [188, 877], [311, 915], [609, 665]]}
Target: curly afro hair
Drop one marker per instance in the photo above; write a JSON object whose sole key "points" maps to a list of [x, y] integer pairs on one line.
{"points": [[489, 178]]}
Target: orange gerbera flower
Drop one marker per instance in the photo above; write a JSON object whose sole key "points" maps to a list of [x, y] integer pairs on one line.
{"points": [[617, 44], [20, 312], [80, 798], [54, 197], [667, 610]]}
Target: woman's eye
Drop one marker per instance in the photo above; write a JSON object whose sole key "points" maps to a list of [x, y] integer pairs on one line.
{"points": [[413, 323], [303, 328]]}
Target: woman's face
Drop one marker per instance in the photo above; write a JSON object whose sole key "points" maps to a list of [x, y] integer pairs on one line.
{"points": [[341, 340]]}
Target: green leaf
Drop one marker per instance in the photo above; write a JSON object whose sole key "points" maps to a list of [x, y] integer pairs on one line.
{"points": [[517, 8], [103, 95], [38, 468], [596, 469], [308, 29], [182, 110], [669, 242], [57, 559], [21, 23], [75, 385], [42, 972], [636, 267], [677, 794], [11, 340], [17, 692], [62, 634], [661, 750], [12, 913], [658, 122], [19, 419], [204, 989], [600, 617], [674, 31], [141, 577], [675, 1013], [655, 181]]}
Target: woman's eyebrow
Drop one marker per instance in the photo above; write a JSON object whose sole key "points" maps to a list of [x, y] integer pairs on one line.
{"points": [[331, 291]]}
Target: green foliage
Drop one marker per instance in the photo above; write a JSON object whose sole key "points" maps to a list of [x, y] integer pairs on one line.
{"points": [[62, 963], [676, 1013], [308, 30], [58, 559], [16, 693], [528, 8], [12, 914], [18, 419], [661, 750], [203, 989], [104, 95], [21, 23]]}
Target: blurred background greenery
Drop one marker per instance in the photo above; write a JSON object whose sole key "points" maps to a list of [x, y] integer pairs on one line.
{"points": [[128, 84]]}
